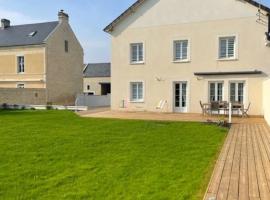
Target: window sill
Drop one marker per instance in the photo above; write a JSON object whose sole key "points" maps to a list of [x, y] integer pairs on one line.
{"points": [[227, 59], [137, 63], [181, 61], [139, 101], [20, 72]]}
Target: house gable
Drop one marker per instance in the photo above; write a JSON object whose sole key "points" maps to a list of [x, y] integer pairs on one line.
{"points": [[167, 12]]}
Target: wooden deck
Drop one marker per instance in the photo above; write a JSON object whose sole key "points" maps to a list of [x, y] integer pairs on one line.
{"points": [[243, 168]]}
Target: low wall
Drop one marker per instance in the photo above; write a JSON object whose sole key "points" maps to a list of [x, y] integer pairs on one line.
{"points": [[23, 96], [93, 101]]}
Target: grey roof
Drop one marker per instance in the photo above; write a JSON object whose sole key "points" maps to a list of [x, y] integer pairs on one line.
{"points": [[97, 70], [19, 35]]}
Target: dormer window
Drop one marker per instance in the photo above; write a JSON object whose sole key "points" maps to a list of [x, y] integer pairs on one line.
{"points": [[32, 34]]}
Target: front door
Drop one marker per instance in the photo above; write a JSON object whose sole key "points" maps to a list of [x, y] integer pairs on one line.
{"points": [[180, 97]]}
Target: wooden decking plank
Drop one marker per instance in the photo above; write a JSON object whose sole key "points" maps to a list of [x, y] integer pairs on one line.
{"points": [[218, 170], [243, 179], [243, 168], [262, 182], [233, 193], [266, 138], [264, 154], [252, 175], [225, 180]]}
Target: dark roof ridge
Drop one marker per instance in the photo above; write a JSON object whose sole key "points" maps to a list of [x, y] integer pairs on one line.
{"points": [[18, 25]]}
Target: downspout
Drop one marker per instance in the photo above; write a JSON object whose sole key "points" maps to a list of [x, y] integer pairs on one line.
{"points": [[268, 33]]}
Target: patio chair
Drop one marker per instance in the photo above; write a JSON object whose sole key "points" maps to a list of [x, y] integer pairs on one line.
{"points": [[224, 106], [161, 104], [245, 111], [215, 107], [205, 110]]}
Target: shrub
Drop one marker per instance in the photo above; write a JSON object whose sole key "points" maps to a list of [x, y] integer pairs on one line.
{"points": [[16, 107], [49, 106], [5, 106]]}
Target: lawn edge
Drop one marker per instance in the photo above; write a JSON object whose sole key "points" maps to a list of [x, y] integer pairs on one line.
{"points": [[208, 177]]}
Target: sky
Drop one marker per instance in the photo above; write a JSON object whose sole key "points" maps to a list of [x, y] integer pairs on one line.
{"points": [[88, 18]]}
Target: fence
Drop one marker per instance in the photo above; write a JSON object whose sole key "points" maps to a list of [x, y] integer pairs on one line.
{"points": [[93, 100]]}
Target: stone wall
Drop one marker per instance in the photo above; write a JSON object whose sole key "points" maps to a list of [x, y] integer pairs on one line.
{"points": [[23, 96], [64, 72]]}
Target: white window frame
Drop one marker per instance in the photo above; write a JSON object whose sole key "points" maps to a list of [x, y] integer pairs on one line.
{"points": [[131, 94], [143, 54], [188, 50], [236, 89], [20, 85], [187, 81], [216, 90], [235, 57], [18, 67]]}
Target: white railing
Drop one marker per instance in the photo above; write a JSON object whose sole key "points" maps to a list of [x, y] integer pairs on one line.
{"points": [[58, 107]]}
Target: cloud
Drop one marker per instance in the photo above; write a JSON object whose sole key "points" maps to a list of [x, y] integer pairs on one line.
{"points": [[17, 17]]}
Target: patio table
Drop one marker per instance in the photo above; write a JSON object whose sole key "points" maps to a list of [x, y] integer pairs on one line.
{"points": [[224, 106]]}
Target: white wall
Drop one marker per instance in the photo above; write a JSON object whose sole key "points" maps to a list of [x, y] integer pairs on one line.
{"points": [[266, 100]]}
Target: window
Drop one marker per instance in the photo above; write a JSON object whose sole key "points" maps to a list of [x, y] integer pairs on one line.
{"points": [[66, 46], [216, 91], [227, 47], [88, 87], [20, 85], [32, 34], [237, 92], [136, 94], [137, 53], [181, 50], [20, 64]]}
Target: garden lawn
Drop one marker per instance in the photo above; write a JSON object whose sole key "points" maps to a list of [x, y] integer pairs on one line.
{"points": [[58, 155]]}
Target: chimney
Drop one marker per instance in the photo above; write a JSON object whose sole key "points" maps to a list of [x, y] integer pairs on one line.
{"points": [[62, 16], [5, 23]]}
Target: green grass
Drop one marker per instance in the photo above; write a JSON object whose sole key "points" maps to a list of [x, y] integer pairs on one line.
{"points": [[58, 155]]}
